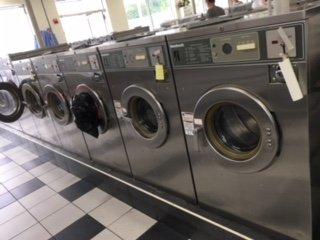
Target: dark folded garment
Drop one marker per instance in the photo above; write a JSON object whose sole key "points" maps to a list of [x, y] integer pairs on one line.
{"points": [[86, 114]]}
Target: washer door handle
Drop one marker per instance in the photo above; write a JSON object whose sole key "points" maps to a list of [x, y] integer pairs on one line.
{"points": [[198, 138], [59, 77]]}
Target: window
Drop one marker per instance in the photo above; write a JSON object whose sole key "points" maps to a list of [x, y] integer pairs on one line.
{"points": [[83, 19], [17, 34], [149, 12]]}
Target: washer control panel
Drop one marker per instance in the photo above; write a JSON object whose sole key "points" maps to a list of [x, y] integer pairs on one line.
{"points": [[236, 48], [263, 44], [275, 43]]}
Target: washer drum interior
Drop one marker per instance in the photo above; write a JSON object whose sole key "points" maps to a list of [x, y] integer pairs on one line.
{"points": [[145, 116], [57, 105], [240, 130]]}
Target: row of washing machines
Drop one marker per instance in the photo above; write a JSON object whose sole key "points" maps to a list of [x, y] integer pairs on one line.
{"points": [[203, 114]]}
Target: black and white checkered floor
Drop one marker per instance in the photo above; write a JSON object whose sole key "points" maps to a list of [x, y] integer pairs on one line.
{"points": [[40, 201]]}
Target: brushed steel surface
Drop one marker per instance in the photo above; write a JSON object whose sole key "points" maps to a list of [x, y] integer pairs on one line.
{"points": [[166, 167], [108, 149], [281, 197], [71, 138], [6, 75], [23, 70]]}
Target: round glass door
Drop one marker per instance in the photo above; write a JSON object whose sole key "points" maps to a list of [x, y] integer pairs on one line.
{"points": [[33, 100], [57, 105], [240, 130], [146, 116], [233, 131], [89, 111], [11, 102]]}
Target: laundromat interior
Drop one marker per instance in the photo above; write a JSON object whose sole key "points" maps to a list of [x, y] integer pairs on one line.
{"points": [[159, 119]]}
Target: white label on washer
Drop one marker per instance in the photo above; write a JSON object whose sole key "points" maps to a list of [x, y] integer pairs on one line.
{"points": [[118, 108], [198, 121], [94, 62], [187, 119]]}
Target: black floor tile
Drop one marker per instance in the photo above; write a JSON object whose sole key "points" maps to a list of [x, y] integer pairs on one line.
{"points": [[4, 161], [6, 199], [27, 188], [83, 229], [76, 190], [161, 232], [38, 161]]}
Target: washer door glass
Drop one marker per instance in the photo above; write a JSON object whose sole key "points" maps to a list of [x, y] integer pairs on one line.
{"points": [[33, 100], [233, 131], [241, 131], [57, 105], [89, 111], [145, 115], [11, 102]]}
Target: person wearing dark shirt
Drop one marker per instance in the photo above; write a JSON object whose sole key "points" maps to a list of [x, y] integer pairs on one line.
{"points": [[213, 10]]}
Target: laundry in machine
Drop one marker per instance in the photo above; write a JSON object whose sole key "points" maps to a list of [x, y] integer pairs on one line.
{"points": [[93, 109], [56, 97], [142, 87], [7, 103], [249, 141]]}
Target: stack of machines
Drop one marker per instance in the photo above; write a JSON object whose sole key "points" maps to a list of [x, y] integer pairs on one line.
{"points": [[223, 116]]}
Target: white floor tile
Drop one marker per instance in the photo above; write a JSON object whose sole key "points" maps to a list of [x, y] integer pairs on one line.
{"points": [[17, 181], [48, 207], [132, 225], [4, 142], [42, 169], [36, 197], [16, 226], [36, 232], [7, 167], [106, 235], [63, 182], [2, 189], [10, 211], [52, 175], [22, 158], [16, 171], [13, 151], [62, 219], [110, 211], [92, 199], [2, 156]]}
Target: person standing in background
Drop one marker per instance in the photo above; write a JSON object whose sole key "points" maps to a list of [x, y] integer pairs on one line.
{"points": [[236, 2], [213, 10]]}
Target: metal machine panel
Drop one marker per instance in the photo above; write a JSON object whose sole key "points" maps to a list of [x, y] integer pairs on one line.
{"points": [[24, 71], [55, 93], [148, 114], [106, 149], [233, 139]]}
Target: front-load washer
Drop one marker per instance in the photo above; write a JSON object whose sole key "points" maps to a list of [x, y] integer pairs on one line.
{"points": [[56, 97], [7, 103], [251, 146], [24, 74], [93, 109], [142, 86]]}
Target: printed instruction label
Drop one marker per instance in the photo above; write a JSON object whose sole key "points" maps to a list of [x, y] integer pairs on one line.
{"points": [[187, 119]]}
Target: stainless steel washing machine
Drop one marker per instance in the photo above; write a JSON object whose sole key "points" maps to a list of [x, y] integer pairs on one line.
{"points": [[93, 109], [148, 112], [56, 97], [6, 75], [254, 151], [24, 74]]}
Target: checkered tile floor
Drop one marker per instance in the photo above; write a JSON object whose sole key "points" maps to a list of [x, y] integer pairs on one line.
{"points": [[40, 201]]}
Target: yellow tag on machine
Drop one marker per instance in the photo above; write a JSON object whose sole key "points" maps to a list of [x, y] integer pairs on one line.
{"points": [[160, 72]]}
